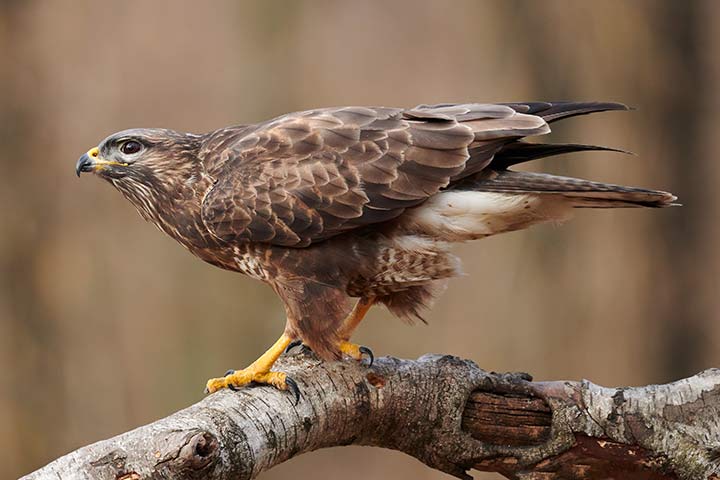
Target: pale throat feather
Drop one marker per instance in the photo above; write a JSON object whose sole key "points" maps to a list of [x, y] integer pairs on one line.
{"points": [[153, 206], [143, 197]]}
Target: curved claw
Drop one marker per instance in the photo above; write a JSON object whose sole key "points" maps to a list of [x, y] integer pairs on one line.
{"points": [[366, 351], [230, 386], [294, 389], [293, 344]]}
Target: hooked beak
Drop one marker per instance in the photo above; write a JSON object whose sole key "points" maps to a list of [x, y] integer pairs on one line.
{"points": [[91, 162], [86, 163]]}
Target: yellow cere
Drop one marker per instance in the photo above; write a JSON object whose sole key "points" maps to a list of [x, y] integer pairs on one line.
{"points": [[98, 163]]}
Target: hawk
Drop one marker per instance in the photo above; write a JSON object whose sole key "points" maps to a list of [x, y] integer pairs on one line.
{"points": [[333, 204]]}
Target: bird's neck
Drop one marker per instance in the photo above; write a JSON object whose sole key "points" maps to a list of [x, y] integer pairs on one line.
{"points": [[175, 211]]}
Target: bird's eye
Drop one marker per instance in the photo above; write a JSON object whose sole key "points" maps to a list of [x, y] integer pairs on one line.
{"points": [[130, 146]]}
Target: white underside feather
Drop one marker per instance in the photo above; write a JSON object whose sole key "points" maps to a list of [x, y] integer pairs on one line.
{"points": [[458, 216]]}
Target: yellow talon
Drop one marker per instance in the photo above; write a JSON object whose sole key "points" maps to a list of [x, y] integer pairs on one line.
{"points": [[356, 351], [240, 378], [258, 372], [352, 350], [352, 321]]}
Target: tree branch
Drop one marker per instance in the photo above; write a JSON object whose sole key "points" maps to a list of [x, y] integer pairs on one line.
{"points": [[444, 411]]}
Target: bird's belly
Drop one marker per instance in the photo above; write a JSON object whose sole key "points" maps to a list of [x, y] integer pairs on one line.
{"points": [[406, 262]]}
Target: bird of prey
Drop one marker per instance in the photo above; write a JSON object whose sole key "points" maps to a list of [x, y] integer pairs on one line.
{"points": [[333, 204]]}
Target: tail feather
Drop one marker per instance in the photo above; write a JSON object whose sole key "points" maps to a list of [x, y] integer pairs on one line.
{"points": [[552, 111], [520, 152], [583, 193], [498, 145], [513, 151]]}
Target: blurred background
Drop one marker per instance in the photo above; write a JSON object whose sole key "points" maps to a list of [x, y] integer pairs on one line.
{"points": [[106, 324]]}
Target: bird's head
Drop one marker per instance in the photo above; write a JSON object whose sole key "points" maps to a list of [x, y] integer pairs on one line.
{"points": [[146, 164], [141, 153]]}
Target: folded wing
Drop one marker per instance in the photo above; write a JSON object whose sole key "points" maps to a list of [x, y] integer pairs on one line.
{"points": [[308, 176]]}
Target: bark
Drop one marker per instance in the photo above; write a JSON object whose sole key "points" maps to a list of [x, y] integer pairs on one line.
{"points": [[444, 411]]}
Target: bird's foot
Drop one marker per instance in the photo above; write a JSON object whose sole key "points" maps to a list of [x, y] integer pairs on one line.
{"points": [[235, 379], [352, 350], [356, 351]]}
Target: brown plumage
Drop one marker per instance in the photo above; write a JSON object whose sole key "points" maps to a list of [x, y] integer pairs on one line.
{"points": [[334, 203]]}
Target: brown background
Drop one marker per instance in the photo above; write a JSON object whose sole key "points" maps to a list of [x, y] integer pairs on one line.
{"points": [[105, 324]]}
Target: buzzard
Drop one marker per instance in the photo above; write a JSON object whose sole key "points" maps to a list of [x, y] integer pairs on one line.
{"points": [[332, 204]]}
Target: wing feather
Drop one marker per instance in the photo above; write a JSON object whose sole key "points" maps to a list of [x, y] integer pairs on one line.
{"points": [[308, 176]]}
